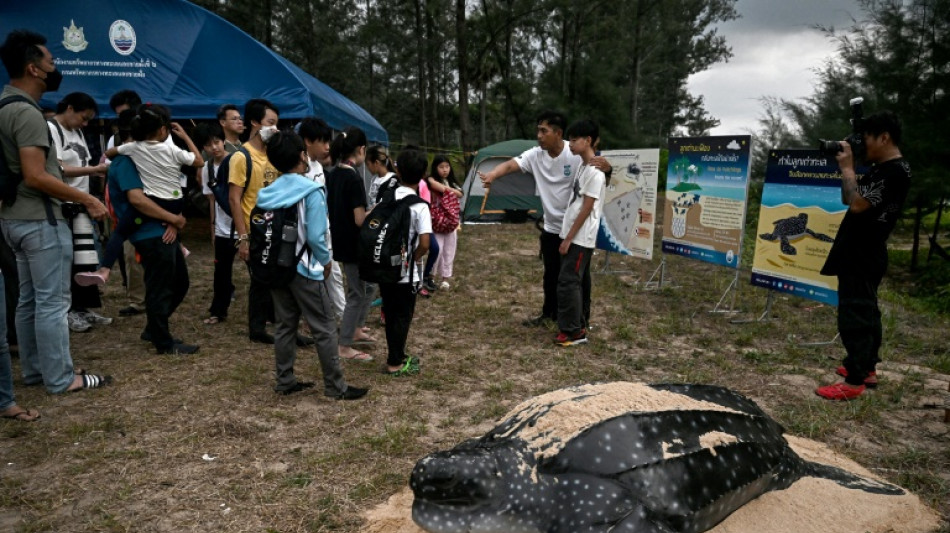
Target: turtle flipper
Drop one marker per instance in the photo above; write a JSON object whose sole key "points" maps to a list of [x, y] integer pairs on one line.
{"points": [[820, 236], [787, 248], [768, 236], [851, 481]]}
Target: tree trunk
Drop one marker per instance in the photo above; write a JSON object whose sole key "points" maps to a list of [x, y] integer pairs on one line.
{"points": [[462, 52], [421, 69]]}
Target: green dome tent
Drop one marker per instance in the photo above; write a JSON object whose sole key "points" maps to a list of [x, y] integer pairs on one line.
{"points": [[514, 195]]}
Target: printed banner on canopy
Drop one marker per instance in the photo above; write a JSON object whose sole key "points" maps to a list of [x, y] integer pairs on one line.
{"points": [[627, 226], [707, 182], [799, 218]]}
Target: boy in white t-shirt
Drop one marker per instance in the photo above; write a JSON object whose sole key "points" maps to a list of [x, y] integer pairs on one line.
{"points": [[579, 234]]}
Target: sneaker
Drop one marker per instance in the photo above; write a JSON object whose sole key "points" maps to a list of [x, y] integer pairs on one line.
{"points": [[444, 286], [179, 349], [869, 382], [566, 339], [76, 322], [537, 321], [352, 393], [95, 318], [429, 284], [840, 391], [130, 311]]}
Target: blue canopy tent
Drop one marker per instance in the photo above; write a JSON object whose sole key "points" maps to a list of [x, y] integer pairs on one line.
{"points": [[175, 53]]}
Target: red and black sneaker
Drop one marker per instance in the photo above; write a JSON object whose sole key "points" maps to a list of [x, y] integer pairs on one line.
{"points": [[840, 391], [869, 382], [566, 339]]}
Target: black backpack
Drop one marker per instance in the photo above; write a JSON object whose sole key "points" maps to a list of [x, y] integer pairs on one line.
{"points": [[219, 183], [388, 185], [273, 241], [9, 180], [384, 250]]}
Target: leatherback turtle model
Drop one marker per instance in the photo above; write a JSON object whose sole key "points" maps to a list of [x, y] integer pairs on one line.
{"points": [[614, 457], [791, 229]]}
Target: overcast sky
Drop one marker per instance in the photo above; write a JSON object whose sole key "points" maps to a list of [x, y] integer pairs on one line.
{"points": [[775, 52]]}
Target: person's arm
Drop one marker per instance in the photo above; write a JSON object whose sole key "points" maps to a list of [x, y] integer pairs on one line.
{"points": [[235, 193], [503, 169], [359, 215], [33, 166], [423, 248], [112, 152], [75, 172], [150, 209], [183, 135], [586, 207], [438, 187], [849, 181]]}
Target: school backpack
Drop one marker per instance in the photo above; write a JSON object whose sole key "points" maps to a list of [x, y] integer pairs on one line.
{"points": [[385, 187], [273, 243], [384, 249], [9, 180], [219, 182]]}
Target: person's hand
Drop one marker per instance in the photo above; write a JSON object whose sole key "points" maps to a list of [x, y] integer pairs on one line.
{"points": [[845, 157], [600, 163], [486, 178], [178, 130], [170, 235], [244, 251], [99, 170], [565, 246], [179, 222], [95, 208]]}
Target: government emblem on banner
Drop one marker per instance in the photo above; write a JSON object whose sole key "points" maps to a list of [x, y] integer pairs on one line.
{"points": [[73, 38], [122, 37]]}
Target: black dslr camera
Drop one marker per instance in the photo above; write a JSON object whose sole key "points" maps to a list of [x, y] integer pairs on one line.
{"points": [[856, 139]]}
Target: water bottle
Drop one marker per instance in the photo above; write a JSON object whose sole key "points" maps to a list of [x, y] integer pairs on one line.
{"points": [[288, 249]]}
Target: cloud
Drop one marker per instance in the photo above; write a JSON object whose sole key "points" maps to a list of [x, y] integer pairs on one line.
{"points": [[734, 145]]}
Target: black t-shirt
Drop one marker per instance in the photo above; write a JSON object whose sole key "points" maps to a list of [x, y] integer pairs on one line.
{"points": [[861, 243], [345, 192]]}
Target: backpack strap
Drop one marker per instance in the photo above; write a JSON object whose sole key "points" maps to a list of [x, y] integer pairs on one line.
{"points": [[211, 178], [59, 129], [247, 165]]}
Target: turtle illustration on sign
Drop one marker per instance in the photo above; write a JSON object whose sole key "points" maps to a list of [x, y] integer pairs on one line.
{"points": [[615, 457], [792, 229]]}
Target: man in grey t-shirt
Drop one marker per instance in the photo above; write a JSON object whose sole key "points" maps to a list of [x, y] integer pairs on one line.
{"points": [[33, 223]]}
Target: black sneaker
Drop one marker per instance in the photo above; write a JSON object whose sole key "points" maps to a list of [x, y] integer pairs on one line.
{"points": [[130, 311], [429, 285], [263, 338], [145, 336], [180, 349], [297, 387], [303, 340], [538, 321], [353, 393]]}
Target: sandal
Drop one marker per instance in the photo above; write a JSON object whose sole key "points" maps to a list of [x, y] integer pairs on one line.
{"points": [[23, 415], [92, 381], [212, 320], [409, 367], [358, 356]]}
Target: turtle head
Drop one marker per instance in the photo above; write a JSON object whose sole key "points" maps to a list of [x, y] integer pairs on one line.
{"points": [[476, 487]]}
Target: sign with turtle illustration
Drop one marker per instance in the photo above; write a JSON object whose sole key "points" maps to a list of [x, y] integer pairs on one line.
{"points": [[798, 220], [627, 226], [707, 183]]}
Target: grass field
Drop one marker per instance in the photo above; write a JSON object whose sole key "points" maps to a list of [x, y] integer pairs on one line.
{"points": [[202, 443]]}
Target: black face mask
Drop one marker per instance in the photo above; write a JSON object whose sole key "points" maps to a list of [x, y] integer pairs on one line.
{"points": [[53, 80]]}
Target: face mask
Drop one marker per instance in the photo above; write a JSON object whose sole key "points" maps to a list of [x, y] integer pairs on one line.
{"points": [[53, 79], [267, 132]]}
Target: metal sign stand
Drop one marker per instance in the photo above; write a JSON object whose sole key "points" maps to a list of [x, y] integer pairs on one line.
{"points": [[732, 288], [651, 285], [766, 313], [606, 268]]}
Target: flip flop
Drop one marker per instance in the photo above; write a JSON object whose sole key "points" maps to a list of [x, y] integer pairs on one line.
{"points": [[212, 320], [358, 356], [23, 415]]}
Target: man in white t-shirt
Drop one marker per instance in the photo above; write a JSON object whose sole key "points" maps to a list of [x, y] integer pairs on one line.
{"points": [[554, 168]]}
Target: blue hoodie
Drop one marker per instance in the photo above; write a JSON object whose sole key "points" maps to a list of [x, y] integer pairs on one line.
{"points": [[289, 189]]}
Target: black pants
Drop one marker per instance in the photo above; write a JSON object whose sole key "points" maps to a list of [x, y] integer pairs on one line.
{"points": [[11, 279], [859, 323], [224, 252], [166, 284], [551, 257], [260, 307], [399, 305]]}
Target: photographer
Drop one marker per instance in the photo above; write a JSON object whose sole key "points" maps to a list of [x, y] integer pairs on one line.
{"points": [[858, 256]]}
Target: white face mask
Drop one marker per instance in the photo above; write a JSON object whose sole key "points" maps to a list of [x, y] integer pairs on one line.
{"points": [[267, 132]]}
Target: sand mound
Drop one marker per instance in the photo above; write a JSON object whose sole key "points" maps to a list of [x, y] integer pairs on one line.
{"points": [[810, 504]]}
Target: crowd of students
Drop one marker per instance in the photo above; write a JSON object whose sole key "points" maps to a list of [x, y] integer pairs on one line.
{"points": [[306, 169]]}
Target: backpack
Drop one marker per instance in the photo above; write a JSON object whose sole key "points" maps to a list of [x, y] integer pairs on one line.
{"points": [[384, 249], [219, 183], [273, 241], [385, 187], [9, 180], [445, 212]]}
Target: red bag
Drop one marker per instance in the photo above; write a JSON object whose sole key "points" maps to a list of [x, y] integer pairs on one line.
{"points": [[445, 212]]}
